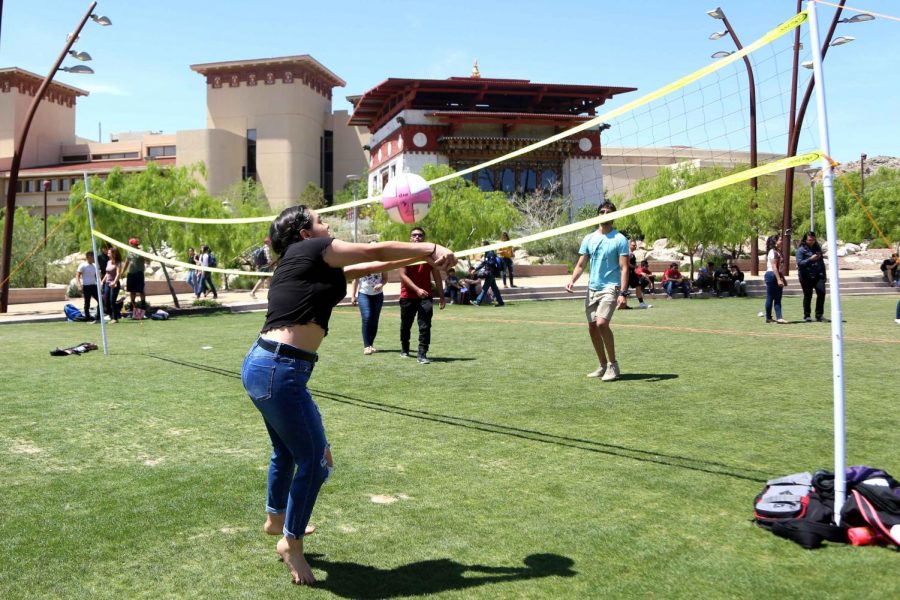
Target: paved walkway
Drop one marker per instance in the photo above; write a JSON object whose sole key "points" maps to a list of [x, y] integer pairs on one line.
{"points": [[236, 300], [240, 300]]}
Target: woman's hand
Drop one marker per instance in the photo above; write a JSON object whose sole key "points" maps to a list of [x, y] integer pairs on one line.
{"points": [[442, 258], [353, 301]]}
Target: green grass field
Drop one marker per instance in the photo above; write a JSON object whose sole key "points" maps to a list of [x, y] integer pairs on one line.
{"points": [[497, 471]]}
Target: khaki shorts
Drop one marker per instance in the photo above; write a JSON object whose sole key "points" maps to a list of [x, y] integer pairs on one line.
{"points": [[601, 304]]}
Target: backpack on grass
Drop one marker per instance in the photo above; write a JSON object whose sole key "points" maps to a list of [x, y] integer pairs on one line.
{"points": [[791, 507]]}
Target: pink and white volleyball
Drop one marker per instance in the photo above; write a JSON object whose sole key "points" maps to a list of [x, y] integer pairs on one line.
{"points": [[406, 198]]}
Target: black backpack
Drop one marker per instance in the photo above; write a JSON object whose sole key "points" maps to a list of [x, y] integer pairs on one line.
{"points": [[792, 507], [259, 257]]}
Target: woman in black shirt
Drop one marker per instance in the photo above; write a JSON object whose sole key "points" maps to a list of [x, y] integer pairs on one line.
{"points": [[309, 280]]}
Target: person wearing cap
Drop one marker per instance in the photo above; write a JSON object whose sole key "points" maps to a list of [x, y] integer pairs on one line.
{"points": [[608, 252], [134, 274]]}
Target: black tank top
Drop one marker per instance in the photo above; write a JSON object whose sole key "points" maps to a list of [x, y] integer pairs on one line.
{"points": [[304, 288]]}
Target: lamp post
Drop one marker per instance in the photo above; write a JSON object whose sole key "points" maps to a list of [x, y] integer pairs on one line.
{"points": [[45, 185], [719, 15], [862, 175], [796, 119], [20, 147], [355, 179], [812, 172]]}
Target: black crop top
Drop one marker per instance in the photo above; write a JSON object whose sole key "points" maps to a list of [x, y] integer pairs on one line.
{"points": [[304, 288]]}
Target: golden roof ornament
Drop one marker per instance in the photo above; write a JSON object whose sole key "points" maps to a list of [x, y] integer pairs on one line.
{"points": [[476, 74]]}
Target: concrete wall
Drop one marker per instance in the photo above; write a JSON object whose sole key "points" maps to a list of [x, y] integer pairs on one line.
{"points": [[289, 120], [349, 156], [223, 152], [583, 180]]}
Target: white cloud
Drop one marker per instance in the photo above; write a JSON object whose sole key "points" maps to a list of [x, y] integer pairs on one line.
{"points": [[448, 66], [104, 88]]}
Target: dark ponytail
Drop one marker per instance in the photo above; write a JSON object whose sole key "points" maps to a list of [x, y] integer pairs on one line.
{"points": [[286, 228]]}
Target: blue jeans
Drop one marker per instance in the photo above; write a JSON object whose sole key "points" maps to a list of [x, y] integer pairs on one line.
{"points": [[682, 285], [370, 311], [490, 283], [773, 296], [507, 268], [110, 295], [277, 386]]}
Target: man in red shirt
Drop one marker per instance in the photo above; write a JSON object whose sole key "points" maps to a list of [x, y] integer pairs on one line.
{"points": [[416, 301], [673, 279]]}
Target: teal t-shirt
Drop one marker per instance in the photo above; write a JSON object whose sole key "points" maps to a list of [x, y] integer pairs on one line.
{"points": [[604, 251], [135, 263]]}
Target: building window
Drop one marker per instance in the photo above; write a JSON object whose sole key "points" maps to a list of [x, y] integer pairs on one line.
{"points": [[326, 162], [250, 170], [75, 158], [160, 151], [548, 179], [485, 180], [508, 181], [527, 181], [115, 156], [65, 184]]}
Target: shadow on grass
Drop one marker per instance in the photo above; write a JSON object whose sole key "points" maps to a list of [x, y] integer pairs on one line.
{"points": [[647, 376], [353, 580], [671, 460]]}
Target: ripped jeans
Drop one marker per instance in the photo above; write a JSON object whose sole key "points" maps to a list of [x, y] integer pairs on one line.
{"points": [[276, 383]]}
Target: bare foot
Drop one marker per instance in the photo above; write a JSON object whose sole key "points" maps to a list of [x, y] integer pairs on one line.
{"points": [[274, 525], [291, 552]]}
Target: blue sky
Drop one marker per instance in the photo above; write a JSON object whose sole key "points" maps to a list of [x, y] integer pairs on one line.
{"points": [[143, 80]]}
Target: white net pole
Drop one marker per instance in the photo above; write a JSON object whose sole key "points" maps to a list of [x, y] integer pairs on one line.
{"points": [[96, 267], [837, 335]]}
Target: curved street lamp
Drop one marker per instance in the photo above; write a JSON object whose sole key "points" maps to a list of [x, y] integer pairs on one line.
{"points": [[78, 70], [797, 119], [719, 15], [20, 146]]}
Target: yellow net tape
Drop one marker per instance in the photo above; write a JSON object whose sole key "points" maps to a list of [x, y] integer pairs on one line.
{"points": [[843, 178], [178, 219], [778, 165], [768, 38], [175, 263]]}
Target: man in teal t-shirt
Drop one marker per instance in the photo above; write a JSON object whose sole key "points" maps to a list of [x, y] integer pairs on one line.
{"points": [[608, 251]]}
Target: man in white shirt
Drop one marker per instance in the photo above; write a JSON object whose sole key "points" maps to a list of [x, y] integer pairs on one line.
{"points": [[86, 275]]}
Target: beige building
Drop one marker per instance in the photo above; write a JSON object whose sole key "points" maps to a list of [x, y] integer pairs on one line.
{"points": [[272, 120]]}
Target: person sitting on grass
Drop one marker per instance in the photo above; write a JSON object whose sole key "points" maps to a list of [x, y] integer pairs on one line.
{"points": [[646, 278], [705, 281], [738, 285], [452, 287], [672, 279], [723, 280], [890, 269]]}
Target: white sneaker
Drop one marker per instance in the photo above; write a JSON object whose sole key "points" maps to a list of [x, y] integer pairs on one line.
{"points": [[760, 314], [645, 305], [897, 321], [612, 373], [599, 372]]}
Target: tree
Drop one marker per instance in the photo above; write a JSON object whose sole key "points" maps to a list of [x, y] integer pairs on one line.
{"points": [[30, 257], [882, 199], [461, 215], [312, 196], [721, 217], [174, 191]]}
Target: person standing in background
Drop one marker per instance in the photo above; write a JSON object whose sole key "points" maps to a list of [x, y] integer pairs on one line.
{"points": [[811, 272], [506, 254], [87, 279]]}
